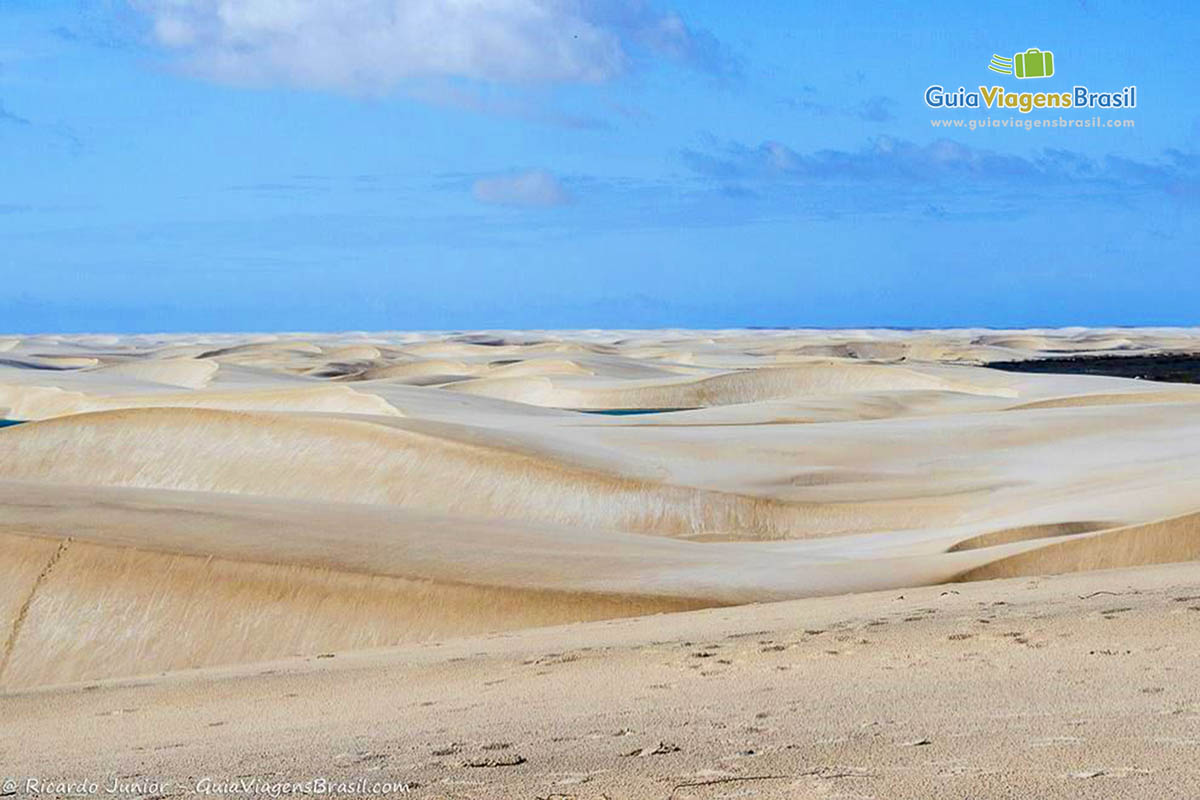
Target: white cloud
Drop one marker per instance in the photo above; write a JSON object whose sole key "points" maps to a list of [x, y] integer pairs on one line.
{"points": [[527, 189], [373, 45]]}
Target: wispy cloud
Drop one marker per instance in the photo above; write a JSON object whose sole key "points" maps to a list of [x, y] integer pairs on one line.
{"points": [[375, 45], [533, 189], [10, 118], [35, 131], [936, 179], [877, 108], [943, 161]]}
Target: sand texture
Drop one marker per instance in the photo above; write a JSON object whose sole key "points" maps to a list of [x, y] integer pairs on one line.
{"points": [[179, 512], [1079, 686]]}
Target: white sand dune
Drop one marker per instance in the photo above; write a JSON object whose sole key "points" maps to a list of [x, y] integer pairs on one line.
{"points": [[420, 368], [187, 373], [187, 501], [352, 352], [26, 402], [723, 389]]}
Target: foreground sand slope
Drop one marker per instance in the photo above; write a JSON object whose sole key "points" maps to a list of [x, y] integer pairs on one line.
{"points": [[185, 501], [1078, 685], [253, 579]]}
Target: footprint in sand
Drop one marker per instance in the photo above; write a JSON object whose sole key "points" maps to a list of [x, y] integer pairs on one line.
{"points": [[495, 761]]}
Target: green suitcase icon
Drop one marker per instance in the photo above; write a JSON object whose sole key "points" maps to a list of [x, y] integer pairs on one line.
{"points": [[1034, 63]]}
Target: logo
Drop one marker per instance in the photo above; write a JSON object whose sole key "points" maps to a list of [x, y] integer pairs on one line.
{"points": [[1033, 63], [1001, 64]]}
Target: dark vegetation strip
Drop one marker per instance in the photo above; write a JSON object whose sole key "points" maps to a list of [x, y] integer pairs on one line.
{"points": [[1168, 367]]}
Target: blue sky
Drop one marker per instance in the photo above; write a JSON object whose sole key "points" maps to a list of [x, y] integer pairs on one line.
{"points": [[442, 164]]}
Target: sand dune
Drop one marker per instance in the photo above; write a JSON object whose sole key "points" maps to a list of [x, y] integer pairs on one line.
{"points": [[1159, 542], [726, 389], [1076, 686], [255, 578], [1177, 396], [176, 612], [187, 501], [36, 403], [423, 367], [187, 373]]}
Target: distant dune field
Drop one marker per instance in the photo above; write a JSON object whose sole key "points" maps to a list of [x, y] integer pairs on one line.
{"points": [[175, 502]]}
